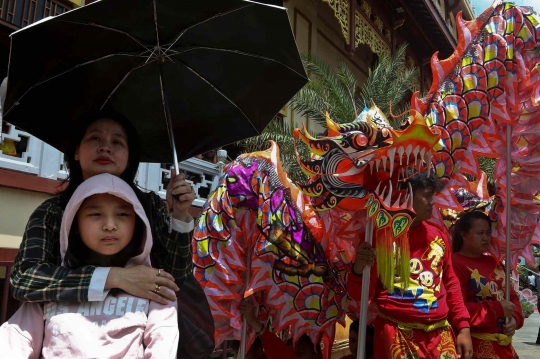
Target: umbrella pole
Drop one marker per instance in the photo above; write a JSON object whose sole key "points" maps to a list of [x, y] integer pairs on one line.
{"points": [[168, 119], [508, 208], [361, 351], [242, 350]]}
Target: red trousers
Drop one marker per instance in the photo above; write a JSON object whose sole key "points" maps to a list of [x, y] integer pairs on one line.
{"points": [[394, 343], [492, 350]]}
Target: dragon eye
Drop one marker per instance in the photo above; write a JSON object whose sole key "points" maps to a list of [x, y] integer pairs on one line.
{"points": [[360, 140]]}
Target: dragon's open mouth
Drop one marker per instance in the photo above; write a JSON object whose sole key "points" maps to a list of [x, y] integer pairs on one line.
{"points": [[388, 174], [389, 200], [410, 161], [357, 158], [405, 162]]}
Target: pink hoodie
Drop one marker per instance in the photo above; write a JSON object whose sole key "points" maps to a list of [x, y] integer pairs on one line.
{"points": [[121, 326]]}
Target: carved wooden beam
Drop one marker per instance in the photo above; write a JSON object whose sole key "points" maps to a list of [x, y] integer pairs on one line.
{"points": [[341, 12], [357, 29]]}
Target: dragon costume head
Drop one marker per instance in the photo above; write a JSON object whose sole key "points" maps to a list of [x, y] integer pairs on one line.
{"points": [[364, 165]]}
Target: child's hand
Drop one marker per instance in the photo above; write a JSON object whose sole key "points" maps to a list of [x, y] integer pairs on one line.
{"points": [[464, 345], [249, 311], [365, 256], [180, 195], [144, 282]]}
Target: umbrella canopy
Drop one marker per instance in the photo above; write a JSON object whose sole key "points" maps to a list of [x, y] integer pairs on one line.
{"points": [[225, 68]]}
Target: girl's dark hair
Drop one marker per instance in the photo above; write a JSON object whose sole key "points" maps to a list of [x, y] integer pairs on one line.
{"points": [[79, 255], [464, 225], [75, 176]]}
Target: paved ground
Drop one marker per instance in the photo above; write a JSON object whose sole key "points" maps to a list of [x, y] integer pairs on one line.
{"points": [[525, 339]]}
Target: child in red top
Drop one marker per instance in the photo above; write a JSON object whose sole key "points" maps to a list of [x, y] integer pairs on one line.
{"points": [[482, 282], [417, 321]]}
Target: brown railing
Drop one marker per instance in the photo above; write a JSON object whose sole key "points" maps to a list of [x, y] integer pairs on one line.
{"points": [[7, 256], [20, 13]]}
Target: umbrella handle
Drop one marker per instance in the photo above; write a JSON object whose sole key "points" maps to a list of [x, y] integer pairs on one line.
{"points": [[168, 118]]}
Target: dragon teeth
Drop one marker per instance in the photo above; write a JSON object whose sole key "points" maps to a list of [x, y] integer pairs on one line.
{"points": [[397, 203], [422, 153], [377, 189], [384, 162], [389, 196], [371, 164], [400, 152], [377, 164], [408, 152], [415, 153], [391, 154], [427, 158], [412, 195], [422, 156]]}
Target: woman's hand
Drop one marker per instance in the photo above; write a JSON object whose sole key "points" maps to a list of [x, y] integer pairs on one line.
{"points": [[365, 256], [144, 282], [510, 328], [180, 196], [508, 308]]}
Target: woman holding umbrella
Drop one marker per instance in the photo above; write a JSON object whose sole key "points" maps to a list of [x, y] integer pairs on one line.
{"points": [[105, 142]]}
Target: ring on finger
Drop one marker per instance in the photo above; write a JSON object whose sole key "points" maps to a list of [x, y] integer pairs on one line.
{"points": [[158, 272], [157, 289]]}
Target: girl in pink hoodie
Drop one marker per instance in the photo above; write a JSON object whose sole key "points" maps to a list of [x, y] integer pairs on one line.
{"points": [[104, 224]]}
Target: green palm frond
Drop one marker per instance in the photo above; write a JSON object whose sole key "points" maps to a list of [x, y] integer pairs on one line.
{"points": [[333, 91], [488, 166], [389, 80], [329, 90]]}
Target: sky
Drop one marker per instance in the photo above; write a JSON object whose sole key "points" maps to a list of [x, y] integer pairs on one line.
{"points": [[481, 5]]}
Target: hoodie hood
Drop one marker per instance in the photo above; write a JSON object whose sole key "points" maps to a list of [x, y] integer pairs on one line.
{"points": [[106, 183]]}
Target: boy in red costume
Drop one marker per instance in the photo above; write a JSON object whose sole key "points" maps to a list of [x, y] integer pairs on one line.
{"points": [[417, 321], [483, 285]]}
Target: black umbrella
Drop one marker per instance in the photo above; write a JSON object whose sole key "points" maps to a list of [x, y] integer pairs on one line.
{"points": [[220, 70]]}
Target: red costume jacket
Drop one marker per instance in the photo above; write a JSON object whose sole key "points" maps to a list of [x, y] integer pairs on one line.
{"points": [[433, 293], [482, 283]]}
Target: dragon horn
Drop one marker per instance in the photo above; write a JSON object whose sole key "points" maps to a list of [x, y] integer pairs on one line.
{"points": [[305, 168], [311, 142], [308, 136], [333, 128]]}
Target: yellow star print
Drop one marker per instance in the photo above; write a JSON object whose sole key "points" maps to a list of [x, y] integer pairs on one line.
{"points": [[476, 276], [484, 291]]}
